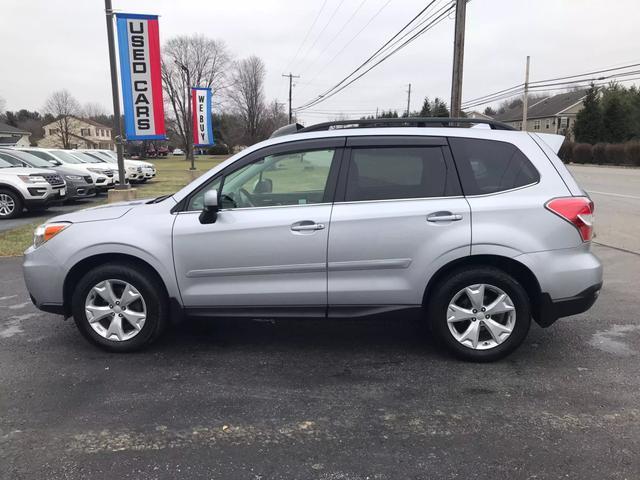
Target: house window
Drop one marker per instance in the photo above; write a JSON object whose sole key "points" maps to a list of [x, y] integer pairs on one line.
{"points": [[518, 125], [536, 124], [564, 122], [547, 123], [53, 131], [85, 132]]}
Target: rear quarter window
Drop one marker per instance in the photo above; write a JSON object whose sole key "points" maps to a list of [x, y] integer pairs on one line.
{"points": [[490, 166]]}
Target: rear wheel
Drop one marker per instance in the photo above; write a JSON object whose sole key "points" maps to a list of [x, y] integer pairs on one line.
{"points": [[11, 204], [480, 314], [119, 308]]}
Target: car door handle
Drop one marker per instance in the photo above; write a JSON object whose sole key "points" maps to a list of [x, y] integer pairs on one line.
{"points": [[444, 217], [306, 227]]}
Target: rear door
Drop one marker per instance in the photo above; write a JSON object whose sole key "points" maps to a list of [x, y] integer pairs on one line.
{"points": [[399, 215]]}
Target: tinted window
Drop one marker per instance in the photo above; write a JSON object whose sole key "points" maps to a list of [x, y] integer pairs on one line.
{"points": [[395, 173], [10, 159], [488, 166]]}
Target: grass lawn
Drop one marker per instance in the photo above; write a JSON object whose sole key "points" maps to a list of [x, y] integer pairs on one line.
{"points": [[172, 174]]}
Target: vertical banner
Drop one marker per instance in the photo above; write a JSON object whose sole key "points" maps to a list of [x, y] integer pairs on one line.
{"points": [[201, 112], [139, 52]]}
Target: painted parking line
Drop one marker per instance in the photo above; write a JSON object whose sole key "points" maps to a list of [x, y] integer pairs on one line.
{"points": [[635, 197]]}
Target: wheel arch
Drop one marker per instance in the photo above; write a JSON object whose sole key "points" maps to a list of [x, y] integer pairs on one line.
{"points": [[517, 270], [12, 189], [83, 266]]}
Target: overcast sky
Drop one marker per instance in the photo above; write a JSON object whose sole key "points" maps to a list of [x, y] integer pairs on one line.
{"points": [[48, 45]]}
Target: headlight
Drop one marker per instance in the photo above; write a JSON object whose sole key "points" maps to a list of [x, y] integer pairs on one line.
{"points": [[96, 170], [32, 179], [47, 231], [75, 178]]}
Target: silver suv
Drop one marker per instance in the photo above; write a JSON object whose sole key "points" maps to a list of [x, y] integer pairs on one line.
{"points": [[480, 229]]}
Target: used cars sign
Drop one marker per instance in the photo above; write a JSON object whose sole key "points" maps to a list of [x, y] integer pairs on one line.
{"points": [[139, 51]]}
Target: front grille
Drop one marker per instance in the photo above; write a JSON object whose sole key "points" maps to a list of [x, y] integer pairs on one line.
{"points": [[108, 173], [88, 179], [54, 179]]}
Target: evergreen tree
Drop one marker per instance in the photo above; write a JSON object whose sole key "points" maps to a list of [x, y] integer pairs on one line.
{"points": [[490, 112], [439, 108], [426, 108], [588, 125], [616, 115]]}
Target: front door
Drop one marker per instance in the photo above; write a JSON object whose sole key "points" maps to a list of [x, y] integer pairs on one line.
{"points": [[398, 216], [268, 247]]}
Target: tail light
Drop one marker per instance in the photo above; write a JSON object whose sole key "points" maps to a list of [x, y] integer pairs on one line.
{"points": [[576, 210]]}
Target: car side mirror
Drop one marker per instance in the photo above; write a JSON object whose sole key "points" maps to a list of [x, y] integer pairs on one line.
{"points": [[210, 208]]}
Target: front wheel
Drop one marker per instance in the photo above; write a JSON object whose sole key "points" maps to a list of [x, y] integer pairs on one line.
{"points": [[480, 314], [119, 308], [10, 204]]}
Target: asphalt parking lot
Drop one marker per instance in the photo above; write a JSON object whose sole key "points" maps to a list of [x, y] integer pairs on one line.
{"points": [[331, 400]]}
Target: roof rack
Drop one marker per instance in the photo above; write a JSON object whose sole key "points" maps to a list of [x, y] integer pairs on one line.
{"points": [[392, 122]]}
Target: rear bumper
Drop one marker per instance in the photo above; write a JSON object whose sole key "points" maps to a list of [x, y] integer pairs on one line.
{"points": [[551, 310]]}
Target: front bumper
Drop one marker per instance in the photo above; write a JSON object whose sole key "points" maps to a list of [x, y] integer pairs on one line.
{"points": [[551, 310], [80, 190], [43, 277], [42, 197]]}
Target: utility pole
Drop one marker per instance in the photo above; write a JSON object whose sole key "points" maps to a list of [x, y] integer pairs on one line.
{"points": [[525, 100], [117, 127], [409, 101], [458, 58], [189, 123], [376, 112], [291, 77]]}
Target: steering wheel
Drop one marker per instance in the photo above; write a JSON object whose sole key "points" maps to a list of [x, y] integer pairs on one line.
{"points": [[245, 197]]}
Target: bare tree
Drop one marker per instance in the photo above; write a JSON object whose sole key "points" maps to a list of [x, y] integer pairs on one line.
{"points": [[247, 95], [275, 116], [191, 61], [93, 110], [62, 106]]}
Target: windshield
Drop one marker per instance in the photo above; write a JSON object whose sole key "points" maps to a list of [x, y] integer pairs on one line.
{"points": [[94, 155], [28, 158], [5, 164], [86, 158], [66, 157]]}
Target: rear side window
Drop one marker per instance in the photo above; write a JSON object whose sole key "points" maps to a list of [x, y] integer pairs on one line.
{"points": [[489, 166], [396, 173]]}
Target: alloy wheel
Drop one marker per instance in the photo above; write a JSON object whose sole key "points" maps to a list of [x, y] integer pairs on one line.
{"points": [[116, 310], [7, 205], [481, 316]]}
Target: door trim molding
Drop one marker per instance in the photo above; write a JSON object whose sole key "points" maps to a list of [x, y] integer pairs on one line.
{"points": [[261, 270], [383, 264]]}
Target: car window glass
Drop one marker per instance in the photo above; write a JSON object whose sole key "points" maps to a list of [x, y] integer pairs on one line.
{"points": [[5, 164], [396, 173], [197, 201], [489, 166], [10, 160], [298, 178]]}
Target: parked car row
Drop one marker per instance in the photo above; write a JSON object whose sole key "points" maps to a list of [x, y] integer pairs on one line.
{"points": [[35, 178]]}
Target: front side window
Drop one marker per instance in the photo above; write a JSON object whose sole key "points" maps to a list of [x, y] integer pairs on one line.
{"points": [[396, 173], [276, 180], [489, 166]]}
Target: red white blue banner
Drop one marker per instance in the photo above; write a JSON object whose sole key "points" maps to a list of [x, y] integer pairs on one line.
{"points": [[139, 51], [201, 112]]}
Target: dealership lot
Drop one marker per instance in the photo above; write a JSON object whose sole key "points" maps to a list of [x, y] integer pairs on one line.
{"points": [[347, 399]]}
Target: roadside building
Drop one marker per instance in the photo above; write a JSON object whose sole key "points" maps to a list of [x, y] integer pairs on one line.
{"points": [[83, 133], [13, 137], [478, 115], [553, 114]]}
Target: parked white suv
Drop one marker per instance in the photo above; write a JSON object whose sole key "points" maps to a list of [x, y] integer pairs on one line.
{"points": [[133, 169], [30, 188], [479, 230], [103, 178]]}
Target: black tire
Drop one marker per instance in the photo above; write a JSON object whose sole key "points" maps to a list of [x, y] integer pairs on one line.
{"points": [[444, 293], [17, 201], [147, 284]]}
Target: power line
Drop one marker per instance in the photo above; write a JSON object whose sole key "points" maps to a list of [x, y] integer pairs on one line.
{"points": [[325, 26], [313, 24], [350, 41], [337, 88], [335, 37]]}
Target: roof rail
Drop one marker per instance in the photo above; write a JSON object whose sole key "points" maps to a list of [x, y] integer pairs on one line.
{"points": [[400, 122]]}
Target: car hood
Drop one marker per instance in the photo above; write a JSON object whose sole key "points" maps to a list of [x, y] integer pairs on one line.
{"points": [[101, 212], [25, 171]]}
